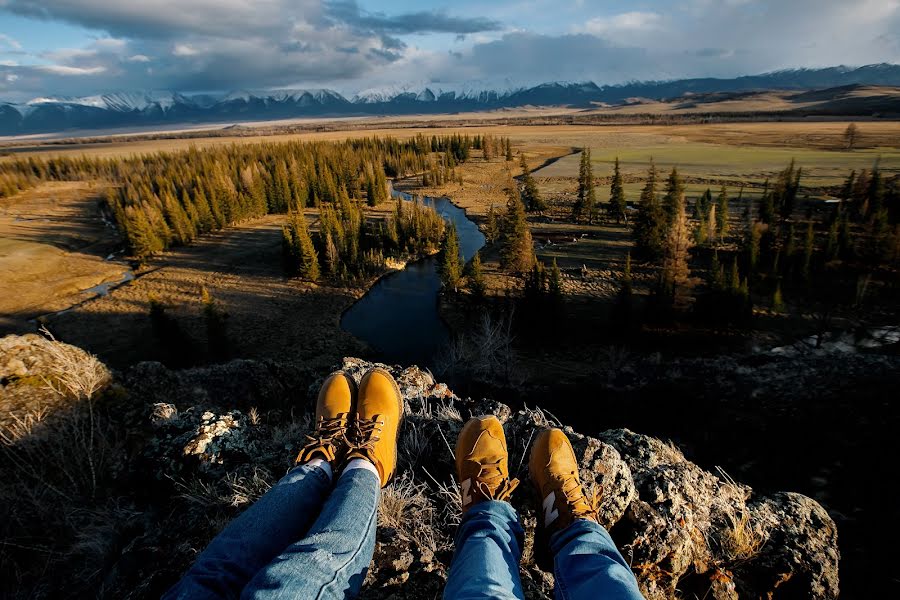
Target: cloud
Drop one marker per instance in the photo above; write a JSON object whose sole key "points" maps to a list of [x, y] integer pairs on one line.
{"points": [[207, 45], [10, 42], [70, 71], [434, 21], [623, 23]]}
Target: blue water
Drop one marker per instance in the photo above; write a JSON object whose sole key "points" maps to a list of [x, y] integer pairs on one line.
{"points": [[399, 317]]}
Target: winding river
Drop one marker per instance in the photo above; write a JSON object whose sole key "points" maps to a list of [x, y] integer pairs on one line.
{"points": [[398, 316]]}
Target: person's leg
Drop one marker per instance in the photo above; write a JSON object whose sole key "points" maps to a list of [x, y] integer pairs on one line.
{"points": [[331, 561], [488, 549], [284, 514], [281, 516], [489, 540], [588, 565]]}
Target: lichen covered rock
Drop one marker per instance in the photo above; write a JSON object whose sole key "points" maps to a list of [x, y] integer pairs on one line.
{"points": [[684, 530]]}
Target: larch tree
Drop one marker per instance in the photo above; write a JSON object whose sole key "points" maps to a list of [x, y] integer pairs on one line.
{"points": [[675, 274], [722, 212]]}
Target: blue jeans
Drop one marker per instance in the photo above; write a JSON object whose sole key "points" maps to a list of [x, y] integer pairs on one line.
{"points": [[296, 541], [587, 564]]}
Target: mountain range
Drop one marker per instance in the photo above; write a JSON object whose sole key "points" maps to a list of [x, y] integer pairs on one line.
{"points": [[137, 109]]}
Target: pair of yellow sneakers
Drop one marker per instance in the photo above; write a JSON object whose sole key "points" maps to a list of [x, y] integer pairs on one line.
{"points": [[364, 423]]}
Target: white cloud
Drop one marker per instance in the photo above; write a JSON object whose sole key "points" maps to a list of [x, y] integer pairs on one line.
{"points": [[9, 41], [70, 71], [139, 58], [184, 50], [623, 23]]}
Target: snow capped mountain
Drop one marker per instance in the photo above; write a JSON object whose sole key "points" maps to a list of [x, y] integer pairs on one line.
{"points": [[119, 101], [151, 108]]}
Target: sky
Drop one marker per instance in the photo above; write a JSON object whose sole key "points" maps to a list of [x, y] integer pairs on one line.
{"points": [[82, 47]]}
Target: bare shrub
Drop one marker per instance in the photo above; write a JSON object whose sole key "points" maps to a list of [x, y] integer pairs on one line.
{"points": [[486, 353]]}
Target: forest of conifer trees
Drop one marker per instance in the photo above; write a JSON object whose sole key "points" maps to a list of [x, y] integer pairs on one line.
{"points": [[168, 199]]}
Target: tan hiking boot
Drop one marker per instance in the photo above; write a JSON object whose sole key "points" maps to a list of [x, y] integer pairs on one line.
{"points": [[553, 468], [333, 409], [482, 462], [373, 434]]}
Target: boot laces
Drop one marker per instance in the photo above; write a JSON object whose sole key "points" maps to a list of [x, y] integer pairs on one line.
{"points": [[366, 433], [493, 483], [581, 505], [328, 431]]}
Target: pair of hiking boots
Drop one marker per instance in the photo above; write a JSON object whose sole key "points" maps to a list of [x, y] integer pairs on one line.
{"points": [[364, 423]]}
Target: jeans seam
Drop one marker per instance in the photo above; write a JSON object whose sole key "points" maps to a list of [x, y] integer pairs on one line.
{"points": [[356, 552]]}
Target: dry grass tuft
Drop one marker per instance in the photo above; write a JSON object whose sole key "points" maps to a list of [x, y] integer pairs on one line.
{"points": [[404, 505], [74, 373], [744, 537]]}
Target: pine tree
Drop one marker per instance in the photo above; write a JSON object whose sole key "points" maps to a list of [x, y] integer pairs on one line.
{"points": [[673, 195], [579, 210], [300, 253], [617, 195], [509, 154], [649, 227], [530, 194], [450, 262], [516, 251], [554, 281], [475, 277]]}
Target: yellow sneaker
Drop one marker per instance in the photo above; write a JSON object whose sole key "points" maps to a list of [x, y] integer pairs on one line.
{"points": [[333, 408], [553, 468], [482, 462], [373, 434]]}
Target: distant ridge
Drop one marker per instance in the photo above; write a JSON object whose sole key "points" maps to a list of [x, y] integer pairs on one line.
{"points": [[143, 108]]}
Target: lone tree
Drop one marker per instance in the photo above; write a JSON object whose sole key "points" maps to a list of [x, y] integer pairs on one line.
{"points": [[530, 194], [451, 264], [516, 247], [851, 136], [586, 203], [617, 201]]}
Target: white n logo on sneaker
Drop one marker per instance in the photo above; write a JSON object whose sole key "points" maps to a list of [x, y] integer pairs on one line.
{"points": [[550, 513], [466, 488]]}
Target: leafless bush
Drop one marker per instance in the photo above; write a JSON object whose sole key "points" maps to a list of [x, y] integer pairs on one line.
{"points": [[611, 360], [487, 353]]}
